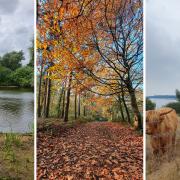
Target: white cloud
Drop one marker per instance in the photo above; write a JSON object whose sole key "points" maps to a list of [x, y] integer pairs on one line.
{"points": [[17, 24]]}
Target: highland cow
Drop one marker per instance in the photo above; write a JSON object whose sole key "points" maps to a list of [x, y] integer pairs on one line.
{"points": [[161, 125]]}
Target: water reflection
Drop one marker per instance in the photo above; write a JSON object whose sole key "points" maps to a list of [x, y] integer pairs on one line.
{"points": [[16, 110], [13, 106]]}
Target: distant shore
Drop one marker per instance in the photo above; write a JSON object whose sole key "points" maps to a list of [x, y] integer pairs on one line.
{"points": [[18, 133], [9, 87], [163, 96], [16, 87]]}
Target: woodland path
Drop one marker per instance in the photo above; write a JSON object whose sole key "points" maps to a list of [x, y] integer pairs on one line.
{"points": [[96, 150]]}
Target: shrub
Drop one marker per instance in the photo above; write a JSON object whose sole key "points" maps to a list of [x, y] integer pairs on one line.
{"points": [[4, 76], [150, 105], [174, 105], [23, 76]]}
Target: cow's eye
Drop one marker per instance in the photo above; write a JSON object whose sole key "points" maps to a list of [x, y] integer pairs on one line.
{"points": [[155, 125]]}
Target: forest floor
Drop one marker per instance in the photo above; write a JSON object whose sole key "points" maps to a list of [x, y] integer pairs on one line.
{"points": [[94, 150], [163, 169], [16, 156]]}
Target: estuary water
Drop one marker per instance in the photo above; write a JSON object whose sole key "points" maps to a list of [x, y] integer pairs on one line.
{"points": [[16, 110], [160, 102]]}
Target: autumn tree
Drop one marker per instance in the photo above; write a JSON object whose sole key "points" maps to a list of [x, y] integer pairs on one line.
{"points": [[118, 38], [93, 46]]}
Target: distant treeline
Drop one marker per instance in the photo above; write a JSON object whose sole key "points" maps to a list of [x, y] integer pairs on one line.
{"points": [[12, 73], [162, 96], [175, 105]]}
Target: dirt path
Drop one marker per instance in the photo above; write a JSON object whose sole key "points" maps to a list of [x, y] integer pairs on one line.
{"points": [[97, 150]]}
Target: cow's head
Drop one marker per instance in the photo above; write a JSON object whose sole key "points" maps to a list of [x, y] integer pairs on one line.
{"points": [[135, 124], [153, 119]]}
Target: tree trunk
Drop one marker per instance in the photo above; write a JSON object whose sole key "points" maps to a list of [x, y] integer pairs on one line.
{"points": [[39, 94], [68, 99], [45, 99], [48, 97], [126, 108], [135, 107], [121, 109], [75, 106], [59, 103], [63, 103], [84, 110], [79, 105]]}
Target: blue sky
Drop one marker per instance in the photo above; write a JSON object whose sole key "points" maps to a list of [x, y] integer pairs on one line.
{"points": [[16, 22], [162, 46]]}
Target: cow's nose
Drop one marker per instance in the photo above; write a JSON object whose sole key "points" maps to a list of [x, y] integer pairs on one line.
{"points": [[148, 131]]}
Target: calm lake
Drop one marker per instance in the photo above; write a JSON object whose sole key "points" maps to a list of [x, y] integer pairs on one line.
{"points": [[16, 110], [162, 101]]}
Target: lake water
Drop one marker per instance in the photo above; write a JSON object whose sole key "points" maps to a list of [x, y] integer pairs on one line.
{"points": [[160, 102], [16, 110]]}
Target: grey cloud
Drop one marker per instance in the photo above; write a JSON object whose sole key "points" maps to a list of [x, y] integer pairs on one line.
{"points": [[8, 6], [162, 47], [17, 28], [21, 30]]}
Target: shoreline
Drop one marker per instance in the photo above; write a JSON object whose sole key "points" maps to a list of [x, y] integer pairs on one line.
{"points": [[10, 86], [30, 89], [18, 133], [17, 87]]}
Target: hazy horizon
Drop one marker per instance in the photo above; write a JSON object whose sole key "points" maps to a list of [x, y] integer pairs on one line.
{"points": [[161, 95]]}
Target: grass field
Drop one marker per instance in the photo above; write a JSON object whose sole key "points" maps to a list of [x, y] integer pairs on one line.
{"points": [[162, 169], [16, 156]]}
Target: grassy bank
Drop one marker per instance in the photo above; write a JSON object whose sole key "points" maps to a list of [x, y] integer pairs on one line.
{"points": [[16, 156], [17, 88]]}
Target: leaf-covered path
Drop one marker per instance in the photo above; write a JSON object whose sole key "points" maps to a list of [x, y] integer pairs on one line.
{"points": [[97, 150]]}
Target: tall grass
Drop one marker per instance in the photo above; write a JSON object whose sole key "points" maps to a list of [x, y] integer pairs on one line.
{"points": [[11, 140]]}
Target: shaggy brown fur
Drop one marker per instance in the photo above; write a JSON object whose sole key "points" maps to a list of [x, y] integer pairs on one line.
{"points": [[161, 125]]}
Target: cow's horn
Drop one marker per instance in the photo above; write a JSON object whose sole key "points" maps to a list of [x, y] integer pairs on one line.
{"points": [[167, 112]]}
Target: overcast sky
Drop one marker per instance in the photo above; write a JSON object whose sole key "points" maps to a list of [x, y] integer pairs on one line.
{"points": [[16, 26], [162, 46]]}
